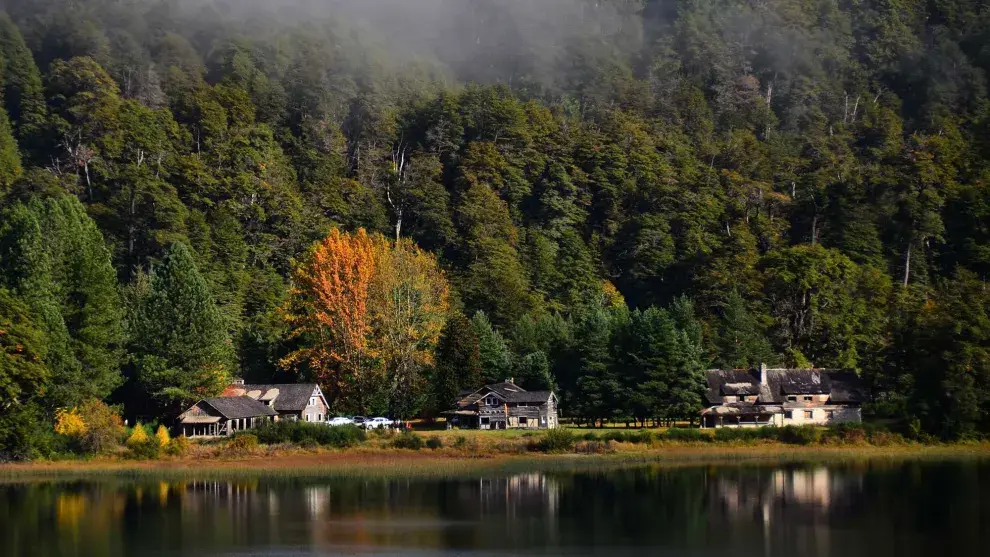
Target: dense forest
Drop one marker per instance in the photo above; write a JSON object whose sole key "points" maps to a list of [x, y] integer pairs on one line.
{"points": [[402, 199]]}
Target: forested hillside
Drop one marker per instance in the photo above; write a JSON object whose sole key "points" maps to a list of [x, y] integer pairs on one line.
{"points": [[401, 199]]}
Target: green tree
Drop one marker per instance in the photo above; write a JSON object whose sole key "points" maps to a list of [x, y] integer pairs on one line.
{"points": [[179, 340], [23, 378], [458, 363], [739, 338], [496, 357]]}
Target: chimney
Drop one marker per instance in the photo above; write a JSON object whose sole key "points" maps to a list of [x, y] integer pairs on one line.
{"points": [[238, 381], [511, 380], [763, 373]]}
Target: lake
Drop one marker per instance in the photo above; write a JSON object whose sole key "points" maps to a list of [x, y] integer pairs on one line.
{"points": [[870, 508]]}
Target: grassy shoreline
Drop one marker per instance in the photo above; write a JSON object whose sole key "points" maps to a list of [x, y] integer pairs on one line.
{"points": [[397, 464]]}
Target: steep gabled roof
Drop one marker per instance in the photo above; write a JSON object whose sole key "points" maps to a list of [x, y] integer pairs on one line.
{"points": [[288, 397], [507, 391], [237, 407]]}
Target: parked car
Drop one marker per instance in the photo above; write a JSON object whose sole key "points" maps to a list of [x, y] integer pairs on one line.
{"points": [[359, 420], [378, 423], [341, 420]]}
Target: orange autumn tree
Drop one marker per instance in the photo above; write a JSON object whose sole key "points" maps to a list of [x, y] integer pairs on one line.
{"points": [[367, 313], [328, 314]]}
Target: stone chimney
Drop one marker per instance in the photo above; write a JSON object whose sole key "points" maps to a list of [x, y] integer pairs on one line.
{"points": [[511, 380], [237, 381], [763, 373]]}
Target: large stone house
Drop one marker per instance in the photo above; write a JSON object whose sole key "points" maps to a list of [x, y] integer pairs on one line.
{"points": [[243, 407], [779, 397], [505, 406]]}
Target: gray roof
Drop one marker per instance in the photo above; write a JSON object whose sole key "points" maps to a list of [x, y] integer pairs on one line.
{"points": [[508, 391], [235, 407], [841, 386], [290, 397]]}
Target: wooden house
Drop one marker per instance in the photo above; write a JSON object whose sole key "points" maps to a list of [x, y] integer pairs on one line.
{"points": [[220, 416], [779, 397], [505, 406], [302, 401]]}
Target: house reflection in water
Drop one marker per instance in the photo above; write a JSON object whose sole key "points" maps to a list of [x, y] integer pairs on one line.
{"points": [[784, 499]]}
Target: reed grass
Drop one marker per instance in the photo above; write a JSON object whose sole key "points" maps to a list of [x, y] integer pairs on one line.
{"points": [[453, 464]]}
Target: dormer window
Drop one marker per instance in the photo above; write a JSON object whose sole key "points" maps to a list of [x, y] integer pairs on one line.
{"points": [[312, 401], [792, 398]]}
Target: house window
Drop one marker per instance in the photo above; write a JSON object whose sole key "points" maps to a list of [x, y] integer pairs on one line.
{"points": [[312, 401], [789, 415], [492, 401], [523, 421], [792, 398], [807, 397], [484, 420], [829, 414], [319, 417], [809, 414]]}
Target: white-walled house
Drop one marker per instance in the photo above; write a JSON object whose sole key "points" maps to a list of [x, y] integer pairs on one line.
{"points": [[779, 397]]}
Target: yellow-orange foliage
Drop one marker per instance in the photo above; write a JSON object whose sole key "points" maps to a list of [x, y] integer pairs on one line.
{"points": [[328, 308], [70, 423], [367, 310], [408, 301]]}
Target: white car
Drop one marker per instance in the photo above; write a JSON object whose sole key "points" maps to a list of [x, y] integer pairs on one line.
{"points": [[378, 423], [340, 421]]}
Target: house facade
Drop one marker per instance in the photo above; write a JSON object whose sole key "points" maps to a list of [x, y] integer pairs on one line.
{"points": [[302, 401], [779, 397], [223, 416], [505, 406]]}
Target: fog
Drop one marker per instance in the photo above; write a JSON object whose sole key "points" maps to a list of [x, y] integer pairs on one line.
{"points": [[483, 40]]}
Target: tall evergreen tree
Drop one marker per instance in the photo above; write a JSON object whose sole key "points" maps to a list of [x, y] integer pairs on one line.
{"points": [[458, 363], [179, 339], [739, 338]]}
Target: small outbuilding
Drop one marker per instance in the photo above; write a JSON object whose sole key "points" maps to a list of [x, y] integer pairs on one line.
{"points": [[222, 416]]}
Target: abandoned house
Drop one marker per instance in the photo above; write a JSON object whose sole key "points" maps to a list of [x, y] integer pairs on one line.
{"points": [[214, 417], [303, 401], [505, 406], [779, 397]]}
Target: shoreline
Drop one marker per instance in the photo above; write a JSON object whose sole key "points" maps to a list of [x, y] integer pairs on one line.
{"points": [[399, 464]]}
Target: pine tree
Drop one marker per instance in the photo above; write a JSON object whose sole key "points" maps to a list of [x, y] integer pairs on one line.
{"points": [[739, 338], [23, 94], [179, 339], [496, 357], [24, 377], [458, 365]]}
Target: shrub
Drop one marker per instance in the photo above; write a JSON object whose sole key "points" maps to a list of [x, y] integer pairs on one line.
{"points": [[408, 440], [274, 433], [595, 447], [434, 442], [556, 440], [70, 423], [144, 450], [590, 436], [728, 434], [138, 436], [795, 435], [178, 446], [162, 436], [625, 437], [242, 443], [686, 435], [93, 427]]}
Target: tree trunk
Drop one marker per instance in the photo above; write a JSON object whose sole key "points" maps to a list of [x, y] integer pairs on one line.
{"points": [[907, 266]]}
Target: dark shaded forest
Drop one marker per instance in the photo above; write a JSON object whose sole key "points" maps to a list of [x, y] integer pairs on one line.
{"points": [[618, 195]]}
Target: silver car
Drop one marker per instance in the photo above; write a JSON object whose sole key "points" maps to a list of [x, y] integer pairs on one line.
{"points": [[340, 420]]}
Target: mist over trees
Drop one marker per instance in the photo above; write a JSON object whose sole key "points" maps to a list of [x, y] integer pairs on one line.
{"points": [[604, 198]]}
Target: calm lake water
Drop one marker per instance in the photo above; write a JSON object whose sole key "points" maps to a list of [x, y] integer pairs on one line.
{"points": [[872, 508]]}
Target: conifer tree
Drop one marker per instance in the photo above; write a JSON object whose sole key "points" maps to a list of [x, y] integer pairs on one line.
{"points": [[179, 339]]}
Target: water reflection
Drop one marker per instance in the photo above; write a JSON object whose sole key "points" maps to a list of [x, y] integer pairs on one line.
{"points": [[867, 509]]}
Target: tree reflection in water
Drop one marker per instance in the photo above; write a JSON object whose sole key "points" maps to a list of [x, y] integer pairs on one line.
{"points": [[855, 509]]}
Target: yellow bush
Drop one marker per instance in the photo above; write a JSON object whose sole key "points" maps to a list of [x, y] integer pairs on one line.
{"points": [[138, 437], [70, 423], [162, 436]]}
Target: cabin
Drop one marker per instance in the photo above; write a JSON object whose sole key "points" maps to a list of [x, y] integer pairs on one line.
{"points": [[778, 397], [505, 406], [222, 416], [302, 401]]}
